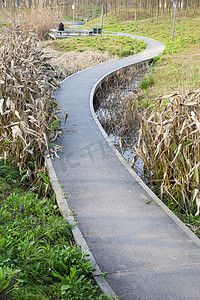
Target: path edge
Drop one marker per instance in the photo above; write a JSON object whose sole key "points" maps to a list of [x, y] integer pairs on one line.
{"points": [[153, 196], [67, 215]]}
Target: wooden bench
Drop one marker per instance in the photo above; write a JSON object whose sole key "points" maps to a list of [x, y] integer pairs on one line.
{"points": [[57, 34]]}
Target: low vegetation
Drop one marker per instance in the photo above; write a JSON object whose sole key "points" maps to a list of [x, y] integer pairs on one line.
{"points": [[71, 55], [120, 46], [38, 257]]}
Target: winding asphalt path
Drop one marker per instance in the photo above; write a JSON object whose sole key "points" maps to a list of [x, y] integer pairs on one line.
{"points": [[147, 253]]}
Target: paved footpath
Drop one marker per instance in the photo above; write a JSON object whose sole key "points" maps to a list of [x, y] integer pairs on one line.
{"points": [[147, 253]]}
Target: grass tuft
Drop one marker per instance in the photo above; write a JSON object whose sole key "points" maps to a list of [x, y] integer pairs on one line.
{"points": [[147, 81]]}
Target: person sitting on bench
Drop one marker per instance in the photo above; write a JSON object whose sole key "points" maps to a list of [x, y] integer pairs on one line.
{"points": [[61, 27]]}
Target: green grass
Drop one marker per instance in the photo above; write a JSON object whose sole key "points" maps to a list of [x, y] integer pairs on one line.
{"points": [[186, 29], [38, 257], [147, 82], [9, 181], [3, 24], [121, 46], [178, 67]]}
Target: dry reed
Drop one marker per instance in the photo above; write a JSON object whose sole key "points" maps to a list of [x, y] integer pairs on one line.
{"points": [[27, 106], [71, 62], [39, 19], [168, 144]]}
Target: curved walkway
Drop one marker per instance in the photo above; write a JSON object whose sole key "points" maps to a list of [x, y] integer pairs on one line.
{"points": [[147, 253]]}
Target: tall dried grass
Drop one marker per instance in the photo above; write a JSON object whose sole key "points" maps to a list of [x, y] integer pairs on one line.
{"points": [[169, 146], [71, 62], [27, 106], [39, 19]]}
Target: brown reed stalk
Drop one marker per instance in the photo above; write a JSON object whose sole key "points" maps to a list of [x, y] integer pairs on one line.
{"points": [[27, 103], [39, 18], [169, 146], [71, 62]]}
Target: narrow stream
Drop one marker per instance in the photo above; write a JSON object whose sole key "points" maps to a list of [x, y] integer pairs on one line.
{"points": [[115, 105]]}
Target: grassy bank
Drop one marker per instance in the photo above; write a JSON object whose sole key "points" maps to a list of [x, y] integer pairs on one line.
{"points": [[113, 45], [178, 67]]}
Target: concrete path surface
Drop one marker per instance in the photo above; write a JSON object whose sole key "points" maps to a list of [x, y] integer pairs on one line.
{"points": [[147, 253]]}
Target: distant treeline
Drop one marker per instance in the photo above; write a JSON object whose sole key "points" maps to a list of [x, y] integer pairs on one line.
{"points": [[87, 9]]}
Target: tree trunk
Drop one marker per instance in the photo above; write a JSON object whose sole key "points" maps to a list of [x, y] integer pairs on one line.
{"points": [[158, 3]]}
